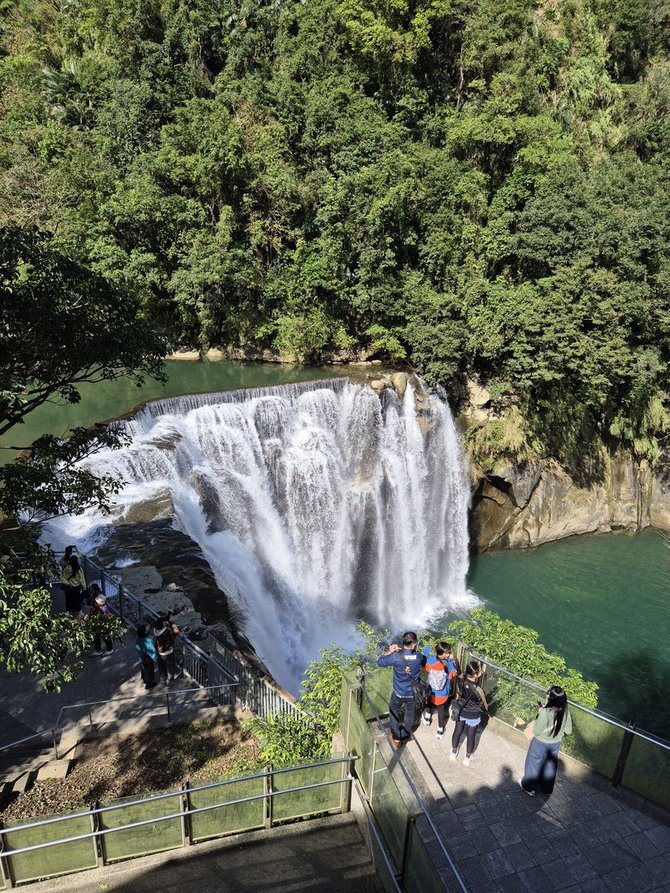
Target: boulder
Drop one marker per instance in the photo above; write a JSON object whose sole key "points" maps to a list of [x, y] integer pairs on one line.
{"points": [[399, 381]]}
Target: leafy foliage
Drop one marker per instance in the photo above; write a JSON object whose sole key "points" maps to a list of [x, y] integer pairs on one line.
{"points": [[469, 188], [288, 740], [516, 648], [33, 638]]}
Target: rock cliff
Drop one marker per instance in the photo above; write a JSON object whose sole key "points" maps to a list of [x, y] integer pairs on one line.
{"points": [[517, 505]]}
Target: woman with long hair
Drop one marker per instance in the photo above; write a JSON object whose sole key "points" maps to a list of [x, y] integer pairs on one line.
{"points": [[467, 710], [552, 723], [73, 584]]}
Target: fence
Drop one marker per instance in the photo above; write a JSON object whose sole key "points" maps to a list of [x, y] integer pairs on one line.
{"points": [[629, 757], [126, 828], [415, 845], [207, 670]]}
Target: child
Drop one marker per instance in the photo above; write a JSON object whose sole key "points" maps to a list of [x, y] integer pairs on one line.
{"points": [[441, 669]]}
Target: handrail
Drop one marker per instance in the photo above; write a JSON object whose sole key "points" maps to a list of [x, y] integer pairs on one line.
{"points": [[144, 697], [174, 815], [182, 813], [53, 730], [269, 773], [597, 713], [48, 731], [415, 793]]}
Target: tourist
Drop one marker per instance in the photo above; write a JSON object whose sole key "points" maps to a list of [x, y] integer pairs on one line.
{"points": [[74, 583], [552, 723], [100, 611], [406, 665], [68, 553], [441, 668], [148, 656], [165, 632], [468, 707]]}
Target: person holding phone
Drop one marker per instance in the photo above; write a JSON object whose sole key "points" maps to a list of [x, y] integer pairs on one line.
{"points": [[552, 723]]}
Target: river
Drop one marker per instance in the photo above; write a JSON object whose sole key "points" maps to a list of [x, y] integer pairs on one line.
{"points": [[602, 603]]}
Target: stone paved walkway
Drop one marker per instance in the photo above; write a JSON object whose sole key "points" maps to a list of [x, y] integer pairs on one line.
{"points": [[579, 840]]}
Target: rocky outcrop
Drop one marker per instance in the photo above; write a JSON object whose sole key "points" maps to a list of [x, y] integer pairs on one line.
{"points": [[516, 506]]}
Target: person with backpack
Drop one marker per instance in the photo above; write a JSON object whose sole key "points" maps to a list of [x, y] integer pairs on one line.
{"points": [[441, 668], [467, 710], [148, 656], [165, 633], [407, 666], [100, 611]]}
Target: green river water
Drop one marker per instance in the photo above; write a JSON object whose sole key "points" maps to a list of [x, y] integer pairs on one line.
{"points": [[600, 601]]}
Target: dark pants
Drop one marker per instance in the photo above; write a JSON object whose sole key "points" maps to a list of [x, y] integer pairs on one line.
{"points": [[148, 671], [167, 666], [539, 771], [470, 736], [97, 643], [401, 719], [74, 598], [441, 713]]}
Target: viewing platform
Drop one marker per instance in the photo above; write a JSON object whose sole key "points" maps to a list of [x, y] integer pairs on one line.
{"points": [[424, 822]]}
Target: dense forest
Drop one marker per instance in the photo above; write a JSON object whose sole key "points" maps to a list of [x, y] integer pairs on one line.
{"points": [[468, 187]]}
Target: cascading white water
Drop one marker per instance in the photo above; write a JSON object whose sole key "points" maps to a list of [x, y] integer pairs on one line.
{"points": [[314, 504]]}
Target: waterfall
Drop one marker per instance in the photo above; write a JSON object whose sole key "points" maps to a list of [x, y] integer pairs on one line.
{"points": [[315, 504]]}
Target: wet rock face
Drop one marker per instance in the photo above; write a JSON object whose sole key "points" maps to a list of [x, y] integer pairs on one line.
{"points": [[524, 505], [172, 575]]}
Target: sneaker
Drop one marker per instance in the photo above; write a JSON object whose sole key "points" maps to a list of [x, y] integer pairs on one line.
{"points": [[452, 756], [530, 793], [96, 653], [425, 719], [440, 734], [467, 760]]}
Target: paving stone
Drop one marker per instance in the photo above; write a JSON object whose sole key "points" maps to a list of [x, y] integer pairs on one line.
{"points": [[608, 856], [641, 845], [660, 837], [580, 867], [460, 846], [517, 803], [506, 833], [536, 880], [641, 820], [473, 871], [606, 803], [559, 874], [54, 769], [631, 877], [497, 863], [659, 866], [512, 883], [520, 855], [483, 840], [605, 830], [527, 825], [594, 885], [470, 817]]}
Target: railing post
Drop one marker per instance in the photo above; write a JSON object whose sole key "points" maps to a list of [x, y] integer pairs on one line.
{"points": [[345, 787], [97, 846], [121, 603], [5, 864], [185, 819], [267, 784], [623, 755], [167, 701]]}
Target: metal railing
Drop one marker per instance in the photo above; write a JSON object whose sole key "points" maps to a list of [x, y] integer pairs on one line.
{"points": [[413, 851], [334, 771], [207, 670], [629, 757]]}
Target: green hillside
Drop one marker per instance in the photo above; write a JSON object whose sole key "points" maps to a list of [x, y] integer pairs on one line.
{"points": [[471, 187]]}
